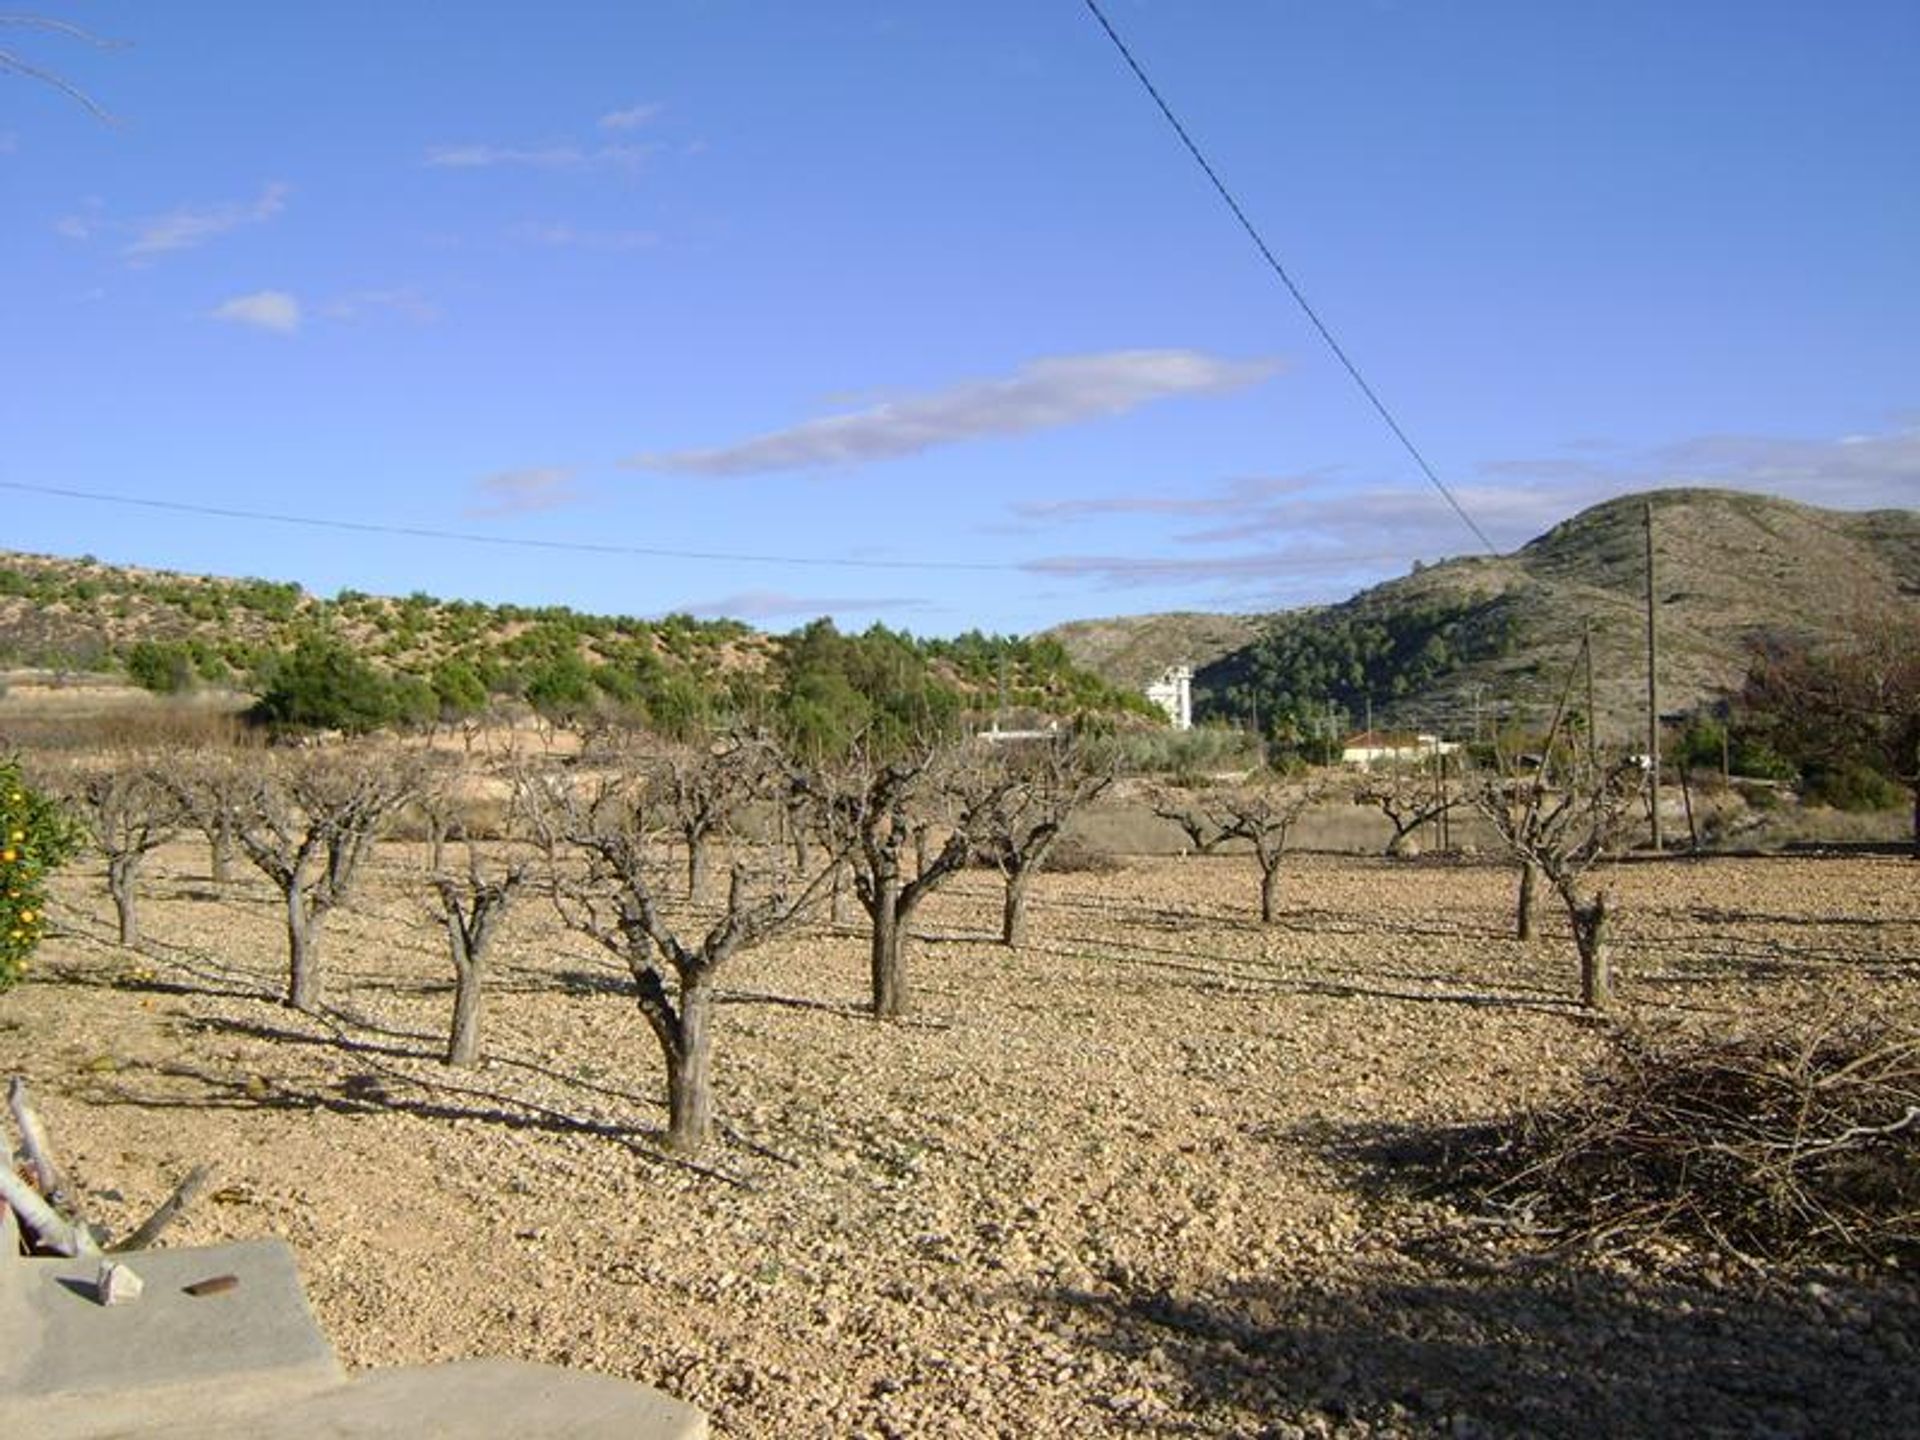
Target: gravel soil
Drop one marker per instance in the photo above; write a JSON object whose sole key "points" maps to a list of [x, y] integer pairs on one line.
{"points": [[1135, 1178]]}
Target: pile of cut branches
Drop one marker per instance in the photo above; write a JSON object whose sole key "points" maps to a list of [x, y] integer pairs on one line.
{"points": [[1795, 1142]]}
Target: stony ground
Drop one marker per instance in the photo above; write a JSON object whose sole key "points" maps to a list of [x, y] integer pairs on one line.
{"points": [[1125, 1180]]}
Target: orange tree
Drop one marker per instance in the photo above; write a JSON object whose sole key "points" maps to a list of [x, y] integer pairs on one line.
{"points": [[35, 837]]}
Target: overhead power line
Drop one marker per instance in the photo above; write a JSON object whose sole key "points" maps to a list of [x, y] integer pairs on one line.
{"points": [[513, 542], [1273, 263]]}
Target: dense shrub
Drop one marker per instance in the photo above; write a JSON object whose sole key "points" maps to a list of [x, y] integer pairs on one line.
{"points": [[1856, 787], [35, 837], [164, 667], [324, 685]]}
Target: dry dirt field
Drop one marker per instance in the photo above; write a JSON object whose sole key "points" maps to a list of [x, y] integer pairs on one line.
{"points": [[1126, 1180]]}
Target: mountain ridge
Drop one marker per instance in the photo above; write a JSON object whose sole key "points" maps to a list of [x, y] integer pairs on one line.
{"points": [[1459, 642]]}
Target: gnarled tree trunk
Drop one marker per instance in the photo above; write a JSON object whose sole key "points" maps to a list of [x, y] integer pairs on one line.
{"points": [[303, 955], [1528, 900], [1013, 910], [1589, 917], [696, 864], [1269, 889], [690, 1070], [220, 848], [888, 964], [123, 873], [842, 911], [463, 1037]]}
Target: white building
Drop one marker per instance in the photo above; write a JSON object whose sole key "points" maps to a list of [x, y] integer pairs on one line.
{"points": [[1173, 693]]}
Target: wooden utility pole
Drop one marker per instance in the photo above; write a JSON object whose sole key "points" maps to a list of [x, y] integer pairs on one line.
{"points": [[1653, 694], [1593, 724]]}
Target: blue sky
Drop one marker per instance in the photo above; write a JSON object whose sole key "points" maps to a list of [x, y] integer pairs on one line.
{"points": [[924, 306]]}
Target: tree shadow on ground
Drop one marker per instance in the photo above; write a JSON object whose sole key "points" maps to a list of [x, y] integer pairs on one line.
{"points": [[335, 1037], [1239, 974], [1463, 1331], [378, 1090], [1548, 1350]]}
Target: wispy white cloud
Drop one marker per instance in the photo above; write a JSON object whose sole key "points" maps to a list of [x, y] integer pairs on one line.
{"points": [[542, 157], [633, 117], [1043, 394], [522, 492], [1291, 563], [483, 157], [1317, 536], [1861, 471], [273, 310], [775, 604], [190, 226], [403, 301], [561, 236], [1238, 496], [75, 227]]}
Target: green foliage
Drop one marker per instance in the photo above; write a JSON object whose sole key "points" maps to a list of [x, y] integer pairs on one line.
{"points": [[324, 685], [165, 667], [1850, 786], [876, 688], [1846, 718], [36, 836], [414, 658], [1186, 754], [1349, 656], [677, 706], [1699, 744], [458, 689], [274, 599], [560, 685]]}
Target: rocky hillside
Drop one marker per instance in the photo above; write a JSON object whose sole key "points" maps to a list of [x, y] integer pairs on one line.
{"points": [[1491, 636], [1134, 650], [172, 632]]}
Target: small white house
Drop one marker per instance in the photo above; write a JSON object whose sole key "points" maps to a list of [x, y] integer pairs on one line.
{"points": [[1173, 693], [1376, 747]]}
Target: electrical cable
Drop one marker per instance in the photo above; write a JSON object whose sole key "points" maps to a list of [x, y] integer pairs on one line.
{"points": [[1294, 290], [468, 537]]}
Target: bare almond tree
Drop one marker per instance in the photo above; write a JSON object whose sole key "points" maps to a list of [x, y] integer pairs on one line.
{"points": [[705, 789], [214, 788], [1263, 810], [307, 823], [868, 807], [1193, 806], [1049, 781], [604, 839], [472, 905], [1501, 790], [1559, 819], [1409, 796], [443, 810], [129, 813]]}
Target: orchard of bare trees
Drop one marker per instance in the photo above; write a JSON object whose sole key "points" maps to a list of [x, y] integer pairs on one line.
{"points": [[1077, 1030], [616, 840]]}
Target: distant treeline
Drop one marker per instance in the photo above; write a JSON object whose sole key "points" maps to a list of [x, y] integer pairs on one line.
{"points": [[1347, 658], [361, 662]]}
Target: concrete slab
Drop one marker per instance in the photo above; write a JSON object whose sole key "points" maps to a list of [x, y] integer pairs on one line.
{"points": [[71, 1367], [248, 1362], [467, 1400]]}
